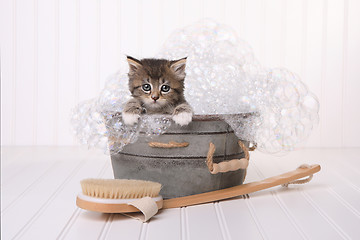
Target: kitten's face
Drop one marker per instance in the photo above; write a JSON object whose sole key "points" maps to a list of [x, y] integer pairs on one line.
{"points": [[157, 83]]}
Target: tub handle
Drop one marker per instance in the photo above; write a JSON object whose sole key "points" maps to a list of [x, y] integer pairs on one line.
{"points": [[253, 147], [170, 144], [226, 166]]}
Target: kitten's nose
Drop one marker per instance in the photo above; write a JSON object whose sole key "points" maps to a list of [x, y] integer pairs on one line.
{"points": [[155, 97]]}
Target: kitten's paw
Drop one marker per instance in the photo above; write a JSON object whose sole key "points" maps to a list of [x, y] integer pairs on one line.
{"points": [[183, 118], [130, 118]]}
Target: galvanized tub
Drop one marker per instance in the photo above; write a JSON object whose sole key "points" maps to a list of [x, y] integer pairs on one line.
{"points": [[183, 171]]}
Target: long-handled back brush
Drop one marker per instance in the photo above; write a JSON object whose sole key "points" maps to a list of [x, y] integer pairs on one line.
{"points": [[114, 195]]}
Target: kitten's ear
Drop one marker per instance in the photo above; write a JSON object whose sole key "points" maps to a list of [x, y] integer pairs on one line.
{"points": [[178, 66], [134, 64]]}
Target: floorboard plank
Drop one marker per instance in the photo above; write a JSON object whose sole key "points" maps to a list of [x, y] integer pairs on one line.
{"points": [[239, 217], [39, 187], [63, 205], [122, 227], [168, 219], [322, 213], [203, 222]]}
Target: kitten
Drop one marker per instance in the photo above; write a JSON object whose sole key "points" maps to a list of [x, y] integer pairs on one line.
{"points": [[157, 87]]}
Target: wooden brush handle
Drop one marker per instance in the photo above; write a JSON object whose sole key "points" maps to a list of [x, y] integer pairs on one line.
{"points": [[241, 189]]}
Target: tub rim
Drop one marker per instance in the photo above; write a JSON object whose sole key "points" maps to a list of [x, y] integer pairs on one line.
{"points": [[221, 117]]}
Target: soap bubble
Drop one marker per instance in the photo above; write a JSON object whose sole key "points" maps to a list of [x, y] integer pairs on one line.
{"points": [[270, 107]]}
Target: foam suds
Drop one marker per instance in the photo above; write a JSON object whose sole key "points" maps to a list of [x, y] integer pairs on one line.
{"points": [[223, 77]]}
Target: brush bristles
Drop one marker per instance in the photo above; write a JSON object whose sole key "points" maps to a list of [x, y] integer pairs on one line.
{"points": [[119, 188]]}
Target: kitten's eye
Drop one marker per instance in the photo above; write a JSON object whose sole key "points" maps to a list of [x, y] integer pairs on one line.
{"points": [[146, 87], [165, 88]]}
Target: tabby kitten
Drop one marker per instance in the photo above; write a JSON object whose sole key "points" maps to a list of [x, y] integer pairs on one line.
{"points": [[157, 87]]}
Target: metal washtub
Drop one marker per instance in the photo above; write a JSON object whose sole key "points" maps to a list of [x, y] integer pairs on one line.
{"points": [[182, 170]]}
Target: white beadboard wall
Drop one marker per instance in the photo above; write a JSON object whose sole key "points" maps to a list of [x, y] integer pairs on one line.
{"points": [[55, 53]]}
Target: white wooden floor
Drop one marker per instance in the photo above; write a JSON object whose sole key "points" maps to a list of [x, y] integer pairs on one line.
{"points": [[39, 187]]}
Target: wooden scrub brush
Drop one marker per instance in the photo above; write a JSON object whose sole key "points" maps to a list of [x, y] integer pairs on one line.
{"points": [[113, 195]]}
